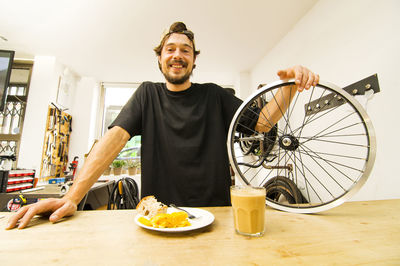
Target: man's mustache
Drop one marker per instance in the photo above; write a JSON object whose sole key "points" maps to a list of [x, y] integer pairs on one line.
{"points": [[181, 62]]}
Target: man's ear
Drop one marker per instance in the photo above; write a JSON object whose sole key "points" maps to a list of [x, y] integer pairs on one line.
{"points": [[159, 62]]}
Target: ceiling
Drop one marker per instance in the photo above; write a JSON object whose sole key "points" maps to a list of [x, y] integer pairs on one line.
{"points": [[112, 40]]}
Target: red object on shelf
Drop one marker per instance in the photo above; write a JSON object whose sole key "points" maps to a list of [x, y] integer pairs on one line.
{"points": [[12, 180], [19, 187], [18, 180], [19, 174]]}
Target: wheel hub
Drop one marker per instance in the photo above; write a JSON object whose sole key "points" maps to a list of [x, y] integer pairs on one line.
{"points": [[288, 142]]}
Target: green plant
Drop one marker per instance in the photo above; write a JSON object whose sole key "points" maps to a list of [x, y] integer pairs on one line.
{"points": [[137, 164], [133, 164], [118, 163], [130, 163]]}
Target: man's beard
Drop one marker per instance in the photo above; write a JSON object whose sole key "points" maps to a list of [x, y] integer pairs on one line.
{"points": [[176, 80]]}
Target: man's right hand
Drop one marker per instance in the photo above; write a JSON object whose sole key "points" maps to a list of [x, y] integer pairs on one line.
{"points": [[56, 208]]}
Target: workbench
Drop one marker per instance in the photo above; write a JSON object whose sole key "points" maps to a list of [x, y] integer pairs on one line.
{"points": [[95, 198], [355, 233]]}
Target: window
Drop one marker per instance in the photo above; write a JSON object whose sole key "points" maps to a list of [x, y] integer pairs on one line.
{"points": [[12, 118], [115, 97]]}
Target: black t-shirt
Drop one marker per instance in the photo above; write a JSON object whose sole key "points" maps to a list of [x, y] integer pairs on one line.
{"points": [[184, 155]]}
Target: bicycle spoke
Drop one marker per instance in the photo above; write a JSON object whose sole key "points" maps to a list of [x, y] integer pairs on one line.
{"points": [[304, 119], [340, 155], [293, 105], [338, 142], [304, 177], [336, 136], [307, 181], [315, 119], [279, 107], [263, 117], [286, 107], [310, 117], [330, 163], [340, 129], [318, 180]]}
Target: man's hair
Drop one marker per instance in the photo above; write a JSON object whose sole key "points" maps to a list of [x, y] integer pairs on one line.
{"points": [[177, 27]]}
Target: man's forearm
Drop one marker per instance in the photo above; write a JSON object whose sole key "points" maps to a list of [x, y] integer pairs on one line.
{"points": [[103, 153], [273, 111]]}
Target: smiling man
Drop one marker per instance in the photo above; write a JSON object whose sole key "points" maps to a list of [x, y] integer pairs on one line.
{"points": [[184, 128]]}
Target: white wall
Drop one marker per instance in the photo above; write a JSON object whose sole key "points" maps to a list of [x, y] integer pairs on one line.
{"points": [[84, 116], [42, 91], [345, 41], [243, 85], [83, 105]]}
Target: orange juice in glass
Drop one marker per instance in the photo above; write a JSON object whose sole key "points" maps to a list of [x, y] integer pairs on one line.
{"points": [[248, 205]]}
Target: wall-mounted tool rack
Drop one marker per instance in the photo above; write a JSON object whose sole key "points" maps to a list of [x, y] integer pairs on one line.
{"points": [[56, 144]]}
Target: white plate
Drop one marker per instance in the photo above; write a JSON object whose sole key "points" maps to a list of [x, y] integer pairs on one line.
{"points": [[203, 218]]}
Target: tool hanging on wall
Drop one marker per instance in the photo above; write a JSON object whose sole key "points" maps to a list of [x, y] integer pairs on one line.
{"points": [[73, 165], [56, 143]]}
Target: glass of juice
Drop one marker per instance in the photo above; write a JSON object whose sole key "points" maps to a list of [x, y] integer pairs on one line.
{"points": [[248, 205]]}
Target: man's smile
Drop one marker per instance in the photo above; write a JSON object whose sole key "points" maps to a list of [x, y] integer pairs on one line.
{"points": [[178, 64]]}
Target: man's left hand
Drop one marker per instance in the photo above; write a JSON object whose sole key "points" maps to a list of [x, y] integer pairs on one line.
{"points": [[304, 78]]}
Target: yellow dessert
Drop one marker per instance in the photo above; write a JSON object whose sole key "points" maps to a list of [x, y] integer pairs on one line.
{"points": [[166, 220], [144, 221]]}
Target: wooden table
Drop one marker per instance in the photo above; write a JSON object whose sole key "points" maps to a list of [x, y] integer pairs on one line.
{"points": [[353, 233]]}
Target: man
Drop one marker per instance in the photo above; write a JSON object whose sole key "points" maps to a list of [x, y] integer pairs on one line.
{"points": [[184, 129]]}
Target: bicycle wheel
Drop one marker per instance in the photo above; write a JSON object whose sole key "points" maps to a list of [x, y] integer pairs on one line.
{"points": [[324, 144]]}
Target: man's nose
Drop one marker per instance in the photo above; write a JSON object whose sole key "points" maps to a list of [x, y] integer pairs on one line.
{"points": [[177, 54]]}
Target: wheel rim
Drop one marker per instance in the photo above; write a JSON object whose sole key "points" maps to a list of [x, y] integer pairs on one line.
{"points": [[327, 151]]}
